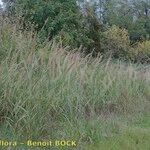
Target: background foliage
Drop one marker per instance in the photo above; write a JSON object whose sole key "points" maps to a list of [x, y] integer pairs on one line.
{"points": [[110, 27]]}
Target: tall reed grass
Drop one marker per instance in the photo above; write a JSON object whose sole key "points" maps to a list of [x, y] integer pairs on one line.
{"points": [[47, 92]]}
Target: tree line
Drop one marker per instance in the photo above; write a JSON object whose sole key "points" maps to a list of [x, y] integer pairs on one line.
{"points": [[117, 28]]}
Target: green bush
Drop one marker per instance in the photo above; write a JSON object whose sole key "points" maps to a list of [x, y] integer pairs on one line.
{"points": [[53, 19]]}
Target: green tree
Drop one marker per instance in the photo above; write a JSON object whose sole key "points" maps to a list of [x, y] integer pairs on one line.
{"points": [[133, 15], [53, 18], [95, 30]]}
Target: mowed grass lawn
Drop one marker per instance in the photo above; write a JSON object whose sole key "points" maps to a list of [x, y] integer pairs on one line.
{"points": [[48, 93]]}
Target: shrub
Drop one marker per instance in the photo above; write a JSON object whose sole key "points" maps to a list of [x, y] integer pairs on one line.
{"points": [[117, 42], [142, 52]]}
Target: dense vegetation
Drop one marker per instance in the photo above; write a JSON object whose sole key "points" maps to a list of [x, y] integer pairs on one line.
{"points": [[116, 28], [51, 90]]}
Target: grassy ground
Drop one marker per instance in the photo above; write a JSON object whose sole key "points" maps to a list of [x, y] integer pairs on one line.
{"points": [[47, 93]]}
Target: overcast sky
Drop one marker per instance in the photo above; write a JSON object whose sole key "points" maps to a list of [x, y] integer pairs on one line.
{"points": [[1, 2]]}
